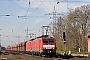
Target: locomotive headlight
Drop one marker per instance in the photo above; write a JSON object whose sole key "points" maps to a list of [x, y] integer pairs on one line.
{"points": [[44, 48], [53, 48]]}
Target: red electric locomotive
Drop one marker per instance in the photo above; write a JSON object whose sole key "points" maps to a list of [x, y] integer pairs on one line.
{"points": [[43, 45]]}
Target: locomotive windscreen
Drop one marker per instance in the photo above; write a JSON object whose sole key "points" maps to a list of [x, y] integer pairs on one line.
{"points": [[48, 41]]}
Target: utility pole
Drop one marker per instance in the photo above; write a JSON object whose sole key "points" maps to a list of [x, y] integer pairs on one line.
{"points": [[26, 30], [54, 13], [0, 41]]}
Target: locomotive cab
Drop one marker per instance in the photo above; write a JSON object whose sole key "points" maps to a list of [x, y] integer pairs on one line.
{"points": [[49, 46]]}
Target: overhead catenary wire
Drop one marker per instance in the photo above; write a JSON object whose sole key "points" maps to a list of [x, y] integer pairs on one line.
{"points": [[7, 22], [23, 3], [46, 6], [52, 1], [41, 1], [63, 1], [28, 8], [17, 5], [24, 9], [25, 15], [29, 3], [8, 0], [30, 15], [69, 1]]}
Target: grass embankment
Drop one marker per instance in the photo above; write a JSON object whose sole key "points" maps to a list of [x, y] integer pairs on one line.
{"points": [[15, 57]]}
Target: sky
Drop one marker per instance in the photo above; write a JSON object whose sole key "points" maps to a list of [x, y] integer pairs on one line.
{"points": [[13, 26]]}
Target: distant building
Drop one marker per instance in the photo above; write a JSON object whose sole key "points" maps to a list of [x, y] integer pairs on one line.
{"points": [[89, 43]]}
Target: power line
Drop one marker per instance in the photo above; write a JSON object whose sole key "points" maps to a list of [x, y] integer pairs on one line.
{"points": [[8, 0], [23, 3], [72, 1], [30, 15], [46, 7], [27, 12], [28, 8], [18, 5], [50, 3]]}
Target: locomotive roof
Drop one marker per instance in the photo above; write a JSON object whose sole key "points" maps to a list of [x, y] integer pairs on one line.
{"points": [[43, 36]]}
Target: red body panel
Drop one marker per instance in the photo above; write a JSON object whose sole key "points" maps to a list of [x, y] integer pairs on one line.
{"points": [[36, 45], [28, 46]]}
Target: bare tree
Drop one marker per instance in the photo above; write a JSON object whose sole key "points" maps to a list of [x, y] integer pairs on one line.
{"points": [[76, 25]]}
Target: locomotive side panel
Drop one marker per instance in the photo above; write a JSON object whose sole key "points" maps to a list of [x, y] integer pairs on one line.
{"points": [[28, 46], [36, 45]]}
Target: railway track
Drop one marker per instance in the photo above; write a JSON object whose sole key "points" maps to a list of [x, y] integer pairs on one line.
{"points": [[34, 57]]}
